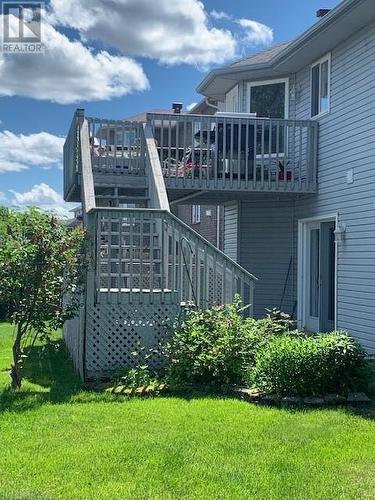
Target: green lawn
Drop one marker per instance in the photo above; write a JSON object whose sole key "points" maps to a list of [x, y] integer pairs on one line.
{"points": [[59, 441]]}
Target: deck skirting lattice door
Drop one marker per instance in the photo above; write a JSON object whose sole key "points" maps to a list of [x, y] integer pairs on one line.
{"points": [[115, 332]]}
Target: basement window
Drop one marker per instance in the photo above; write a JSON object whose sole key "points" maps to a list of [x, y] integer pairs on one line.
{"points": [[320, 86]]}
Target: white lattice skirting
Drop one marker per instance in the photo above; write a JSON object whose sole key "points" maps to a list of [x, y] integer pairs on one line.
{"points": [[114, 332]]}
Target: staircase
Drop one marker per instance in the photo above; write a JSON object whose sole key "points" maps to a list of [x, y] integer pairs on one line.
{"points": [[145, 263]]}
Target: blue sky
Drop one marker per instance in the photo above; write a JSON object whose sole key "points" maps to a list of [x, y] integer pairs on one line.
{"points": [[32, 124]]}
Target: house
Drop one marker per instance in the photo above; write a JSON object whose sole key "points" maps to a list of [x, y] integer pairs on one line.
{"points": [[290, 157], [76, 220]]}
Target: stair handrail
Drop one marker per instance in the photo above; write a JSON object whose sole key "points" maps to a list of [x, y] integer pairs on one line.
{"points": [[186, 227], [88, 189], [213, 277], [213, 247], [156, 185]]}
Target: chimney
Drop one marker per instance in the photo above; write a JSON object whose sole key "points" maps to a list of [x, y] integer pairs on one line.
{"points": [[177, 106], [322, 12]]}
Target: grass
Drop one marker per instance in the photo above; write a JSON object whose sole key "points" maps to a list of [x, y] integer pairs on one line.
{"points": [[59, 441]]}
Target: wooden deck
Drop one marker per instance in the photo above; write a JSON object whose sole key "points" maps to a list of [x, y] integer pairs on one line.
{"points": [[199, 153]]}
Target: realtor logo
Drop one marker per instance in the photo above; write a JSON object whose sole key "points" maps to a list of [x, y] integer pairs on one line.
{"points": [[22, 27]]}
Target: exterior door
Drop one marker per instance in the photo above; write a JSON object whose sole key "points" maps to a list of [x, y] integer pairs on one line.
{"points": [[320, 276]]}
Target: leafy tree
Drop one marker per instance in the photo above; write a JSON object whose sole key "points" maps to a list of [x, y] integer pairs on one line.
{"points": [[41, 270]]}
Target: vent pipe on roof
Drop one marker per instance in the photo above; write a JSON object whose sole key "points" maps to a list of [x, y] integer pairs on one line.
{"points": [[322, 12]]}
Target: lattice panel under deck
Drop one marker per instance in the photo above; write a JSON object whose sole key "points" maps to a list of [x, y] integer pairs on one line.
{"points": [[114, 332]]}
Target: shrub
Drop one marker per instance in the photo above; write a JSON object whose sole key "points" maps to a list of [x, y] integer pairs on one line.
{"points": [[42, 269], [279, 322], [216, 345], [140, 373], [308, 365], [137, 377], [259, 332]]}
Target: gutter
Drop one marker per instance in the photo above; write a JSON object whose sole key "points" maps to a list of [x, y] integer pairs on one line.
{"points": [[325, 22], [322, 24]]}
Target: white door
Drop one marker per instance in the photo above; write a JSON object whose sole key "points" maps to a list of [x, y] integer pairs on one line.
{"points": [[319, 276]]}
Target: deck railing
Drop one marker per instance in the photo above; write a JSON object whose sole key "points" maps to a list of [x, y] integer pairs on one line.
{"points": [[236, 151], [117, 146], [150, 256]]}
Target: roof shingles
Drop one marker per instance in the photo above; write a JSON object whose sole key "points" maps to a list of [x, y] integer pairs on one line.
{"points": [[262, 57]]}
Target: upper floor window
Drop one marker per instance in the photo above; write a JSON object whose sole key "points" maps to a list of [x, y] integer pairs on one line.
{"points": [[195, 214], [269, 99], [320, 84]]}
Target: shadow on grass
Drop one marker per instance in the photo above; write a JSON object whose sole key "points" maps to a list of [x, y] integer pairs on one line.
{"points": [[49, 367], [366, 411]]}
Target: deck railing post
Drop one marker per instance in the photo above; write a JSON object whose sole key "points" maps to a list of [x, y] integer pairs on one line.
{"points": [[312, 158]]}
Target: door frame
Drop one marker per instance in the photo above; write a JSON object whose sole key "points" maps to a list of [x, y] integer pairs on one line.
{"points": [[302, 265]]}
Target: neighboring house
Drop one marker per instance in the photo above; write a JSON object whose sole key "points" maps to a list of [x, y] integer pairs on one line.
{"points": [[207, 220], [296, 182], [77, 218]]}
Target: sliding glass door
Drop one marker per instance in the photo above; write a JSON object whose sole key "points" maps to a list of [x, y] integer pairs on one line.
{"points": [[319, 269]]}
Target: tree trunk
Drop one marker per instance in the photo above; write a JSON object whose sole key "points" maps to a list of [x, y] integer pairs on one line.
{"points": [[16, 368]]}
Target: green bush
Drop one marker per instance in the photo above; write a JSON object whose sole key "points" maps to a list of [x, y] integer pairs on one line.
{"points": [[308, 365], [216, 345]]}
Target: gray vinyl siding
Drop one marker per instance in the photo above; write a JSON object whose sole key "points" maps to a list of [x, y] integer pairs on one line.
{"points": [[268, 228], [231, 230], [347, 141], [267, 249]]}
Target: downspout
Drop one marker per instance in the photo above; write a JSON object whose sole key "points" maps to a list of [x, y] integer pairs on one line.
{"points": [[218, 226]]}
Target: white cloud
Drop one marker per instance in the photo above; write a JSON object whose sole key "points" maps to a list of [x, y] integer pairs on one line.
{"points": [[191, 106], [219, 15], [172, 32], [69, 72], [20, 152], [43, 197], [256, 33]]}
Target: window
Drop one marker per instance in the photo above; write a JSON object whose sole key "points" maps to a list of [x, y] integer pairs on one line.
{"points": [[320, 83], [195, 214], [270, 99]]}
